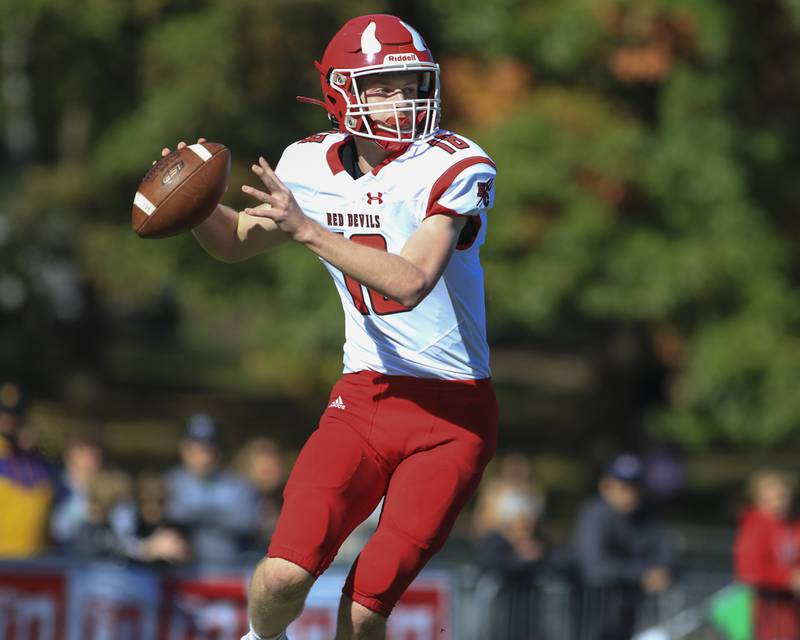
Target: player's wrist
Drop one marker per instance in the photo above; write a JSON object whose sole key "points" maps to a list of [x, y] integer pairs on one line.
{"points": [[307, 232]]}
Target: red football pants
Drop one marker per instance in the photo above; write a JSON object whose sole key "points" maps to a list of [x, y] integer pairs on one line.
{"points": [[422, 443]]}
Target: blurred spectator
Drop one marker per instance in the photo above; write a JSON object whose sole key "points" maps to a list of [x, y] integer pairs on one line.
{"points": [[158, 540], [104, 534], [510, 554], [622, 551], [514, 475], [26, 486], [262, 463], [767, 555], [514, 549], [217, 509], [83, 459]]}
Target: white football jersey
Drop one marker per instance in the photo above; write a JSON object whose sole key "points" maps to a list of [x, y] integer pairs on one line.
{"points": [[444, 336]]}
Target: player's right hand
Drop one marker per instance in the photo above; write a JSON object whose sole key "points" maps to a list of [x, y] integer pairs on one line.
{"points": [[181, 145]]}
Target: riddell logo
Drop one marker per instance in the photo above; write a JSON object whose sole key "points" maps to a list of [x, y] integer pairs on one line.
{"points": [[401, 57]]}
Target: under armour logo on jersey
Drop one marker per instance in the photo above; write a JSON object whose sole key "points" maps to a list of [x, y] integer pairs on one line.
{"points": [[484, 188], [338, 404], [378, 197]]}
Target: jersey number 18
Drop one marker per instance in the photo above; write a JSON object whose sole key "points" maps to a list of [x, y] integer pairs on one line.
{"points": [[381, 305]]}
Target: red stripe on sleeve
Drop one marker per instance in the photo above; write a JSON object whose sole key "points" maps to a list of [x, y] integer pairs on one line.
{"points": [[446, 179]]}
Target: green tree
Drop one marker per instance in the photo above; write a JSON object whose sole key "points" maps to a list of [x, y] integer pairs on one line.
{"points": [[646, 194]]}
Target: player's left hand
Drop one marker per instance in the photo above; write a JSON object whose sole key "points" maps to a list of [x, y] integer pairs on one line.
{"points": [[282, 207]]}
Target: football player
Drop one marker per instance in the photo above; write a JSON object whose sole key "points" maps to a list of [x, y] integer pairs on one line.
{"points": [[395, 207]]}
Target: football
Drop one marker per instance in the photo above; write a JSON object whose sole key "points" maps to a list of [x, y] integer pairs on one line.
{"points": [[181, 190]]}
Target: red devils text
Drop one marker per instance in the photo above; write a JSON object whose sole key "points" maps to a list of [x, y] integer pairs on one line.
{"points": [[360, 220]]}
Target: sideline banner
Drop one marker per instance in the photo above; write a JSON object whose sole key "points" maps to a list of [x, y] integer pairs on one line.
{"points": [[52, 600], [32, 605]]}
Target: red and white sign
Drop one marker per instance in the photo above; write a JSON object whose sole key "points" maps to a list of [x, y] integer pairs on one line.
{"points": [[204, 609], [32, 606], [115, 603]]}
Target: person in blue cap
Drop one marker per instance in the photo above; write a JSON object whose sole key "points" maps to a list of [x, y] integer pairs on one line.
{"points": [[216, 509], [622, 551]]}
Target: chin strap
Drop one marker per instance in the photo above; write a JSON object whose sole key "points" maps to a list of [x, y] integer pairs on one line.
{"points": [[320, 103], [311, 101]]}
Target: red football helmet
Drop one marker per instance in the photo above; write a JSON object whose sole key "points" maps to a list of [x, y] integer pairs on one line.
{"points": [[370, 45]]}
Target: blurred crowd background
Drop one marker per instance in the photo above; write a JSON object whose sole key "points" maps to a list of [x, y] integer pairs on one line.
{"points": [[641, 263]]}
